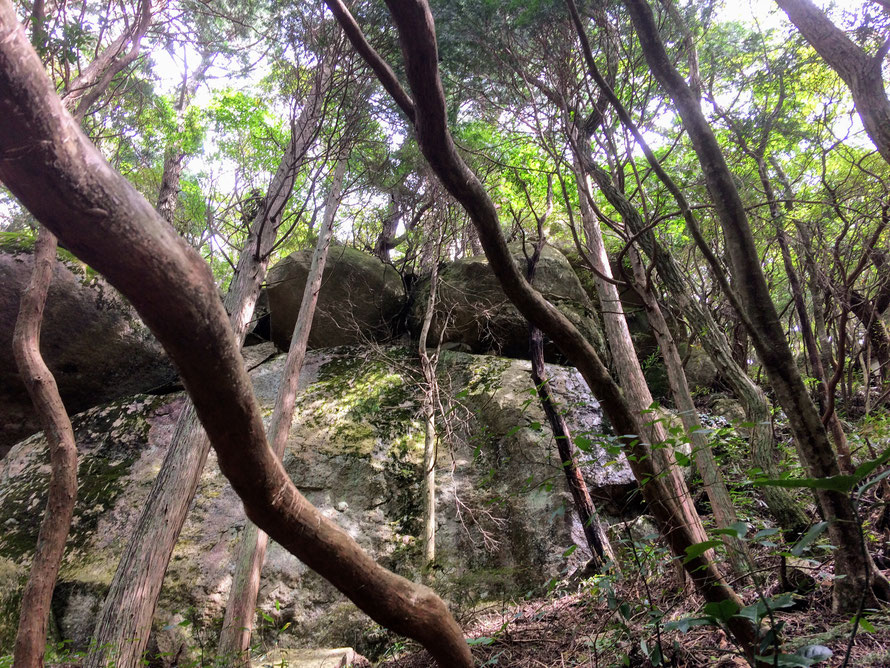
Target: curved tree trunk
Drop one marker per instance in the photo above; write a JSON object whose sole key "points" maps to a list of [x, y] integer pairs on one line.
{"points": [[30, 640], [428, 112], [430, 440], [234, 640], [68, 186]]}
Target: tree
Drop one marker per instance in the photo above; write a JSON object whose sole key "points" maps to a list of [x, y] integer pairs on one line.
{"points": [[66, 184]]}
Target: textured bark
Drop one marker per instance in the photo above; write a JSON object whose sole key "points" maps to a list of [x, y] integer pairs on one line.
{"points": [[721, 503], [627, 364], [862, 73], [30, 640], [234, 640], [427, 106], [758, 412], [762, 321], [430, 442], [50, 166]]}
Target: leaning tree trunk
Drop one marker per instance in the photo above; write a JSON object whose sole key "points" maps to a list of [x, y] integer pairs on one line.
{"points": [[627, 364], [30, 640], [721, 503], [428, 113], [124, 623], [600, 549], [863, 73], [69, 187], [856, 568], [234, 640]]}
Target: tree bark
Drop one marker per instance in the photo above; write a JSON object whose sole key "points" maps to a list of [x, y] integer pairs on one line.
{"points": [[234, 640], [30, 640], [721, 503], [758, 412], [627, 364], [125, 621], [50, 166], [597, 542], [862, 73], [763, 324], [430, 440]]}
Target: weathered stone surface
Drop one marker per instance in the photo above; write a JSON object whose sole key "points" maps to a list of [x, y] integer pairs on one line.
{"points": [[360, 298], [92, 340], [342, 657], [701, 373], [473, 311], [355, 451]]}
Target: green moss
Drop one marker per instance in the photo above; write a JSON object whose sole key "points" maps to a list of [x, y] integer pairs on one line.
{"points": [[109, 439]]}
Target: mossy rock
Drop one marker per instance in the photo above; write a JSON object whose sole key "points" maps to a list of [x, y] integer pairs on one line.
{"points": [[92, 340], [473, 312], [361, 298]]}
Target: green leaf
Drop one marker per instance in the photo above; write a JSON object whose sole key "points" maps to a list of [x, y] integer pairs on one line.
{"points": [[765, 533], [809, 537], [866, 625], [683, 625], [570, 550], [480, 641], [736, 530], [698, 549], [681, 458], [721, 610], [866, 468], [583, 444]]}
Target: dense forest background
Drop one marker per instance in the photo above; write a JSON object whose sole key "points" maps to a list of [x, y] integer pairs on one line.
{"points": [[715, 175]]}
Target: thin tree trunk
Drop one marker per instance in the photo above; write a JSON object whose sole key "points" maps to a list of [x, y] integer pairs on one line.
{"points": [[600, 549], [30, 640], [809, 339], [857, 569], [125, 621], [428, 113], [234, 641], [715, 487], [430, 441], [68, 186]]}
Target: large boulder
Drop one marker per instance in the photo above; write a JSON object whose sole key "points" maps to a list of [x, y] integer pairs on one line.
{"points": [[92, 340], [473, 312], [361, 298], [355, 450]]}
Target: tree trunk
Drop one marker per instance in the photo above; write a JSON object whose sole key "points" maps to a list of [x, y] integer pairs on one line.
{"points": [[862, 72], [68, 186], [125, 621], [763, 324], [430, 441], [758, 412], [428, 112], [721, 503], [30, 640], [809, 339], [627, 364], [234, 640]]}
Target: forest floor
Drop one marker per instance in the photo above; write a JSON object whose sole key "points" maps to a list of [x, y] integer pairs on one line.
{"points": [[626, 619], [579, 629]]}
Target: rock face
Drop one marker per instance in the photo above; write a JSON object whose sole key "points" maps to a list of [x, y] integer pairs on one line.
{"points": [[92, 340], [360, 299], [473, 311], [355, 449]]}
